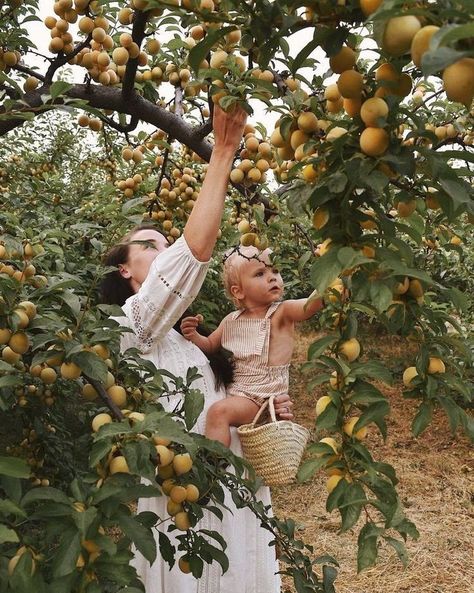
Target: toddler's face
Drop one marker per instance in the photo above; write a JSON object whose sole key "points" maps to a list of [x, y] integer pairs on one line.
{"points": [[260, 282]]}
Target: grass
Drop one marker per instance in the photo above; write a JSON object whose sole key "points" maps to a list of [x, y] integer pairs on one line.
{"points": [[436, 472]]}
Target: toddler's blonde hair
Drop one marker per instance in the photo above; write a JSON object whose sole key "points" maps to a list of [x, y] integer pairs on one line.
{"points": [[234, 259]]}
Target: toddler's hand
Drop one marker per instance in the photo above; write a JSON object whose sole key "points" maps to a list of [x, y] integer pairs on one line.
{"points": [[189, 325]]}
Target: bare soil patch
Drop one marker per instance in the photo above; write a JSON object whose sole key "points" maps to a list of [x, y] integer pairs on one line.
{"points": [[436, 473]]}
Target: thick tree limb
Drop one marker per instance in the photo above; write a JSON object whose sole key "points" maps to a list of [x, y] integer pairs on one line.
{"points": [[102, 97]]}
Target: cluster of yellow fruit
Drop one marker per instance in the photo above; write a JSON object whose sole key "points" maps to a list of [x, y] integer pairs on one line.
{"points": [[405, 34], [175, 199], [249, 235], [172, 470], [292, 146], [409, 289], [30, 449], [435, 366], [94, 123], [14, 340], [256, 159], [129, 185]]}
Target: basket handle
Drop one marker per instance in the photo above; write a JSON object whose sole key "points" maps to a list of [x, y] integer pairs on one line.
{"points": [[269, 402]]}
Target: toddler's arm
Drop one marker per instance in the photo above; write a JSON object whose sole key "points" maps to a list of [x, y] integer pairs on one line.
{"points": [[301, 309], [208, 344]]}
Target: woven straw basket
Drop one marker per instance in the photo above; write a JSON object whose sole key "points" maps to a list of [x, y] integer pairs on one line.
{"points": [[274, 449]]}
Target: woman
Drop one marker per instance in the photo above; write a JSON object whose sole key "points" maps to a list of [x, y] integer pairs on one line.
{"points": [[158, 283]]}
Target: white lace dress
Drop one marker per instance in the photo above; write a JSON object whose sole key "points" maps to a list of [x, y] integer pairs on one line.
{"points": [[173, 282]]}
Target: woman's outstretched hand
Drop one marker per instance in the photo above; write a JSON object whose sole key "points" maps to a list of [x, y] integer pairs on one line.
{"points": [[228, 128], [283, 406]]}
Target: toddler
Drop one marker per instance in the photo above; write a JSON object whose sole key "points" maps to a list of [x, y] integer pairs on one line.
{"points": [[259, 334]]}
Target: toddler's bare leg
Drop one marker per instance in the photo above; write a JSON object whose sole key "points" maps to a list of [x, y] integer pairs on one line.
{"points": [[232, 411]]}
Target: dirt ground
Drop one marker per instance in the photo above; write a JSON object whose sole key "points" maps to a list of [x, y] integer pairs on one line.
{"points": [[436, 473]]}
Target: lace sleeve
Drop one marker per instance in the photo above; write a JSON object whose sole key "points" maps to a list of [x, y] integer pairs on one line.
{"points": [[173, 282]]}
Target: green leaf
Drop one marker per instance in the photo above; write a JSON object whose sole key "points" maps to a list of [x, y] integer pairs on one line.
{"points": [[60, 87], [45, 494], [91, 365], [399, 548], [367, 547], [10, 381], [325, 269], [309, 467], [8, 507], [372, 369], [193, 406], [14, 467], [352, 504], [7, 535], [319, 346], [67, 553], [140, 536], [422, 418], [167, 550]]}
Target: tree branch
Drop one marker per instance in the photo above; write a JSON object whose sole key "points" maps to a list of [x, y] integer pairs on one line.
{"points": [[63, 59], [29, 71], [102, 97], [138, 34]]}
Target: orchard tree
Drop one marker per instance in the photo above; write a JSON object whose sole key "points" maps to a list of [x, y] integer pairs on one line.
{"points": [[368, 169]]}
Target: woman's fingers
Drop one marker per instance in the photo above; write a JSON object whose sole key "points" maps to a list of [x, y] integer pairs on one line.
{"points": [[228, 127], [283, 407]]}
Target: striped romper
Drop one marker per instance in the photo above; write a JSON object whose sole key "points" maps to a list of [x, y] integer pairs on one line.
{"points": [[249, 342]]}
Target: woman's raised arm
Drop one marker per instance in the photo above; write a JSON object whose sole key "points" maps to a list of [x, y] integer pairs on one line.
{"points": [[204, 221]]}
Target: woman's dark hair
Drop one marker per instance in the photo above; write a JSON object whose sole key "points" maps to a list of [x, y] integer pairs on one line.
{"points": [[114, 288]]}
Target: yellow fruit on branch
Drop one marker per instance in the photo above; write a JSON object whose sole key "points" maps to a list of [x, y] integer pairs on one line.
{"points": [[310, 174], [320, 217], [408, 375], [322, 403], [350, 84], [337, 286], [308, 122], [70, 370], [348, 428], [5, 335], [184, 565], [332, 482], [374, 141], [415, 288], [19, 342], [421, 43], [369, 6], [192, 493], [350, 349], [405, 209], [331, 93], [345, 59], [165, 455], [118, 465], [100, 420], [178, 494], [436, 365], [373, 112], [458, 81], [399, 33], [331, 443], [118, 395], [48, 375], [182, 463], [182, 521]]}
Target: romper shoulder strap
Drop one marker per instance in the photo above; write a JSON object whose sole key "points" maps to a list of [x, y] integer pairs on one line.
{"points": [[272, 308]]}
